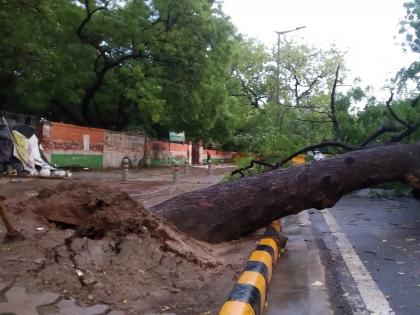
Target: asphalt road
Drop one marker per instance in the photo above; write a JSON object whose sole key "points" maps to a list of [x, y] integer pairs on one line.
{"points": [[360, 257]]}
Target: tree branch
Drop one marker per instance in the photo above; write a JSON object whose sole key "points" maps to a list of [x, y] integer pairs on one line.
{"points": [[377, 133], [310, 108], [323, 144], [85, 38], [108, 62], [250, 94], [314, 121], [296, 90], [283, 116], [405, 133], [297, 84], [410, 129], [241, 170], [393, 114], [336, 128], [311, 85]]}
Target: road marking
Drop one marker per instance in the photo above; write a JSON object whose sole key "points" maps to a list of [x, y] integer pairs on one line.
{"points": [[372, 296]]}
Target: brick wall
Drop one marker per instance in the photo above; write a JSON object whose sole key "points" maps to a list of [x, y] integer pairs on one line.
{"points": [[217, 156], [71, 145], [160, 153], [118, 145]]}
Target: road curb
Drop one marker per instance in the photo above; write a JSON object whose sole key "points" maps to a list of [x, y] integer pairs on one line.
{"points": [[250, 292]]}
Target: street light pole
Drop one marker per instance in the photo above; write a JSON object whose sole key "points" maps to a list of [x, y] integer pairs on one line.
{"points": [[278, 59]]}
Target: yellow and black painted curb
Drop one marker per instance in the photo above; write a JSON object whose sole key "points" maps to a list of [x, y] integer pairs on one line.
{"points": [[250, 292]]}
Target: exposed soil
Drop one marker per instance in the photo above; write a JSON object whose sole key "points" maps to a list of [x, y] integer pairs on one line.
{"points": [[94, 243]]}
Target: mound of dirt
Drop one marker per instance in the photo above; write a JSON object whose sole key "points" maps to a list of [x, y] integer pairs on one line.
{"points": [[97, 245], [94, 211], [91, 210]]}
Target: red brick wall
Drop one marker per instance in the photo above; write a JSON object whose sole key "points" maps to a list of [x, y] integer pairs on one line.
{"points": [[180, 150], [155, 145], [161, 153], [118, 145], [59, 136], [219, 155]]}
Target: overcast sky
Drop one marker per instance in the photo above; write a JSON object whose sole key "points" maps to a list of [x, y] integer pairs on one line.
{"points": [[366, 29]]}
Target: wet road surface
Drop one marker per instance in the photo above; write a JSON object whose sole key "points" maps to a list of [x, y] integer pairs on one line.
{"points": [[360, 257]]}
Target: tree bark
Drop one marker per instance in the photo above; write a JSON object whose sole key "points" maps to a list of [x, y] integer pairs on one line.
{"points": [[226, 211], [336, 128]]}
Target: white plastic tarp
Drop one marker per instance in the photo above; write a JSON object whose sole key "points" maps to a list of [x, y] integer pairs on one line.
{"points": [[22, 151], [34, 148], [27, 151]]}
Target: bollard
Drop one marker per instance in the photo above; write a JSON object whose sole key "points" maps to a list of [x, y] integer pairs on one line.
{"points": [[172, 164], [186, 168], [125, 165], [209, 169], [175, 172]]}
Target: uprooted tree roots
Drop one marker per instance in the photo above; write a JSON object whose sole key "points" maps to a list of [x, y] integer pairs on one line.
{"points": [[95, 244], [94, 211]]}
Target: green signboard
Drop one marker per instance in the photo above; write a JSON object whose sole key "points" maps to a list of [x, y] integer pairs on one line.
{"points": [[177, 137]]}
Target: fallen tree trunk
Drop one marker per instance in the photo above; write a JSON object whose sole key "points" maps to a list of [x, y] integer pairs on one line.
{"points": [[228, 210]]}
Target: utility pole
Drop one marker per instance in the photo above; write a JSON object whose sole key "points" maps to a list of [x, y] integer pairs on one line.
{"points": [[278, 59]]}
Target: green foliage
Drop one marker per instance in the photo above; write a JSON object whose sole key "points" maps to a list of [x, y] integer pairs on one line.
{"points": [[390, 190], [40, 59], [410, 27], [243, 161], [306, 71], [248, 72], [301, 118], [161, 65]]}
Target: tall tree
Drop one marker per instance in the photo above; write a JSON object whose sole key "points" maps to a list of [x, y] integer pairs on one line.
{"points": [[161, 65], [410, 27], [249, 72], [40, 59]]}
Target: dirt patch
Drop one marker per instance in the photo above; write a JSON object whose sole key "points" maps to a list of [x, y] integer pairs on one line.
{"points": [[94, 211], [97, 245]]}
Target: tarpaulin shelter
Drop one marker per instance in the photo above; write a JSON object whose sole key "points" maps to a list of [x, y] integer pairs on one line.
{"points": [[19, 148]]}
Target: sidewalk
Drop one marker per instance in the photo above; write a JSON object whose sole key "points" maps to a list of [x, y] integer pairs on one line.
{"points": [[298, 284]]}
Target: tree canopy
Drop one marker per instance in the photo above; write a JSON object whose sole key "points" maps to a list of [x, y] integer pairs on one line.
{"points": [[161, 65]]}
